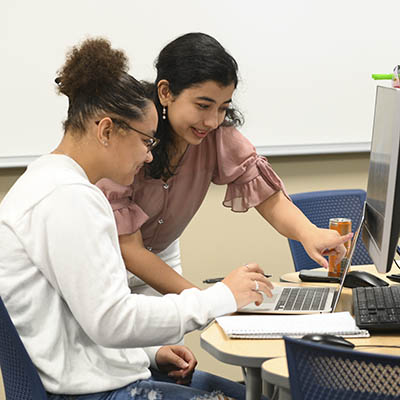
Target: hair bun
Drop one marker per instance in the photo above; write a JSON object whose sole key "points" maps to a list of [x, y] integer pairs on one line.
{"points": [[89, 67]]}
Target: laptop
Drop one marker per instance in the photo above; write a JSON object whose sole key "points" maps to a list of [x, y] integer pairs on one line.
{"points": [[305, 300]]}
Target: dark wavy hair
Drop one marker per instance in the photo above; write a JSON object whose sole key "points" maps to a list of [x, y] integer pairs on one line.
{"points": [[94, 78], [189, 60]]}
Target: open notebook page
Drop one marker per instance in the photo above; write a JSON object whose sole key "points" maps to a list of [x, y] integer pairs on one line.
{"points": [[276, 326]]}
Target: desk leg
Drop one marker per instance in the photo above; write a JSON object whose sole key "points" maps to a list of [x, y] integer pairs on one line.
{"points": [[253, 383], [284, 394], [269, 390]]}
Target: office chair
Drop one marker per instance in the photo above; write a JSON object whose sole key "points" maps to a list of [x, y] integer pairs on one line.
{"points": [[20, 378], [319, 371], [319, 207]]}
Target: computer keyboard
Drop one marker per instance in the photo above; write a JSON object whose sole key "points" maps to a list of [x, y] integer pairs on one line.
{"points": [[377, 308], [302, 299]]}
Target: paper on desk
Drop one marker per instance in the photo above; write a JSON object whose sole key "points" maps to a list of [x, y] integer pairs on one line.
{"points": [[275, 326]]}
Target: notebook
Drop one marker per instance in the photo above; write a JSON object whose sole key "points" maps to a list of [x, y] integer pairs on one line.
{"points": [[305, 300], [276, 326]]}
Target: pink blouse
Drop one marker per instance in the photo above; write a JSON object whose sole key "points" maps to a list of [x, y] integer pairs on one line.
{"points": [[162, 210]]}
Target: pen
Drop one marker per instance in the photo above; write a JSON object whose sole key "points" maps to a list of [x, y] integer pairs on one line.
{"points": [[215, 280]]}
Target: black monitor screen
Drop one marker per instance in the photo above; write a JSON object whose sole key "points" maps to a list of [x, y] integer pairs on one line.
{"points": [[382, 213]]}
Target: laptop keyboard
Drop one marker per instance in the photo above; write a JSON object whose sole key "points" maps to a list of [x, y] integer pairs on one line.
{"points": [[377, 308], [302, 299]]}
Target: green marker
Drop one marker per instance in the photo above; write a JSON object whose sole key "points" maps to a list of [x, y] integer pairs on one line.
{"points": [[382, 76]]}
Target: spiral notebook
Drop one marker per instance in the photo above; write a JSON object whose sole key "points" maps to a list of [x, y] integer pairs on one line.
{"points": [[276, 326]]}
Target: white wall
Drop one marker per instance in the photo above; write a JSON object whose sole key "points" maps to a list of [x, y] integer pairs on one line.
{"points": [[305, 64]]}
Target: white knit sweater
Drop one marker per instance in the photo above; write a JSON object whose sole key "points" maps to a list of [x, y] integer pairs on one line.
{"points": [[64, 283]]}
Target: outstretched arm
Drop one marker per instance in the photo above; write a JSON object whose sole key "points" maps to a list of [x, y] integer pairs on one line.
{"points": [[288, 220], [149, 267]]}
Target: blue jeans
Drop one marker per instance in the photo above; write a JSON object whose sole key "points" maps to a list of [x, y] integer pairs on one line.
{"points": [[160, 387]]}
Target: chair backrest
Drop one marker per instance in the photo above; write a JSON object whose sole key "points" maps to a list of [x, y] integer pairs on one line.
{"points": [[318, 371], [319, 207], [20, 377]]}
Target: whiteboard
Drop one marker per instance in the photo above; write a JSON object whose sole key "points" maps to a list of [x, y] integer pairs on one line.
{"points": [[305, 65]]}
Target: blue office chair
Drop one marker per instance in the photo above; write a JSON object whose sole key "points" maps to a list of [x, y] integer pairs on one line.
{"points": [[318, 371], [319, 207], [20, 378]]}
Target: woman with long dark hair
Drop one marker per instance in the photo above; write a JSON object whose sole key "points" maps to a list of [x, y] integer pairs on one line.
{"points": [[199, 144]]}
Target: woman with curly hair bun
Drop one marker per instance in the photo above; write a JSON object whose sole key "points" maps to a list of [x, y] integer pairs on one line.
{"points": [[62, 275]]}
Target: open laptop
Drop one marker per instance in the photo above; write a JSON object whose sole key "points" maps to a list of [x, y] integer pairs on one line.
{"points": [[305, 300]]}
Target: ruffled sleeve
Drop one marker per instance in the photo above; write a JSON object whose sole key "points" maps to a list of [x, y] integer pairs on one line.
{"points": [[250, 177], [128, 215]]}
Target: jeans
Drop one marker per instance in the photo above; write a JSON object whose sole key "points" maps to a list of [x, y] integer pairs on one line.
{"points": [[160, 387]]}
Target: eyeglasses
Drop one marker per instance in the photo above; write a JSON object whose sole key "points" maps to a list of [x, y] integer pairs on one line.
{"points": [[150, 143]]}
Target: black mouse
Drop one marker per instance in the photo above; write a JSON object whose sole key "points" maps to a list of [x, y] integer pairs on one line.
{"points": [[362, 278], [325, 338]]}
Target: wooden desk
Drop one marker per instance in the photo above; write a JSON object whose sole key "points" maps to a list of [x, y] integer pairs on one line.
{"points": [[251, 353]]}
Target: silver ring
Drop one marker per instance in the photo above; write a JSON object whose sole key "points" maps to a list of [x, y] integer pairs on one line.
{"points": [[257, 286]]}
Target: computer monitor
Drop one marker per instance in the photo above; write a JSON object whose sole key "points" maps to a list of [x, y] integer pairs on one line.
{"points": [[381, 228]]}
